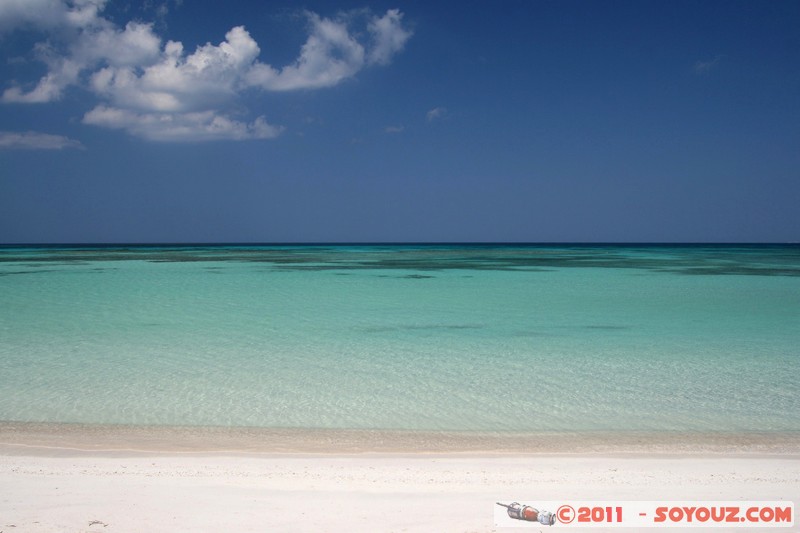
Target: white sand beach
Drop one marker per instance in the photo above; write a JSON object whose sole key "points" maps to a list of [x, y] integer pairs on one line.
{"points": [[98, 485]]}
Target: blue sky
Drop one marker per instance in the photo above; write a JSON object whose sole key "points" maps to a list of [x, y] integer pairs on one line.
{"points": [[538, 121]]}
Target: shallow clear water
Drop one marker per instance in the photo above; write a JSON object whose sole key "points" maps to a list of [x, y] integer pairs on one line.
{"points": [[488, 338]]}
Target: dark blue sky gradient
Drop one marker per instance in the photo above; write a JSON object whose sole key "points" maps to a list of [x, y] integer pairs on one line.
{"points": [[559, 121]]}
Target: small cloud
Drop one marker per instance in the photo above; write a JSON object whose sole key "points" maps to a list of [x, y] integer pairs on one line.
{"points": [[389, 37], [701, 67], [181, 127], [394, 129], [160, 12], [31, 140], [435, 113]]}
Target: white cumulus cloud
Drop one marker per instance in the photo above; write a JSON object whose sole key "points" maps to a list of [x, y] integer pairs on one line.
{"points": [[389, 36], [180, 82], [332, 53], [48, 14], [83, 41], [192, 126], [161, 91], [329, 55], [31, 140]]}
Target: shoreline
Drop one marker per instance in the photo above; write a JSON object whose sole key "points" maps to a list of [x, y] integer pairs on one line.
{"points": [[27, 437]]}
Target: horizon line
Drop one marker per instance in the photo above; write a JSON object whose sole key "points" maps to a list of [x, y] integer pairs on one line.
{"points": [[396, 243]]}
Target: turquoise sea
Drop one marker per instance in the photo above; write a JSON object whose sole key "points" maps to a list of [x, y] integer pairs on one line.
{"points": [[421, 337]]}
